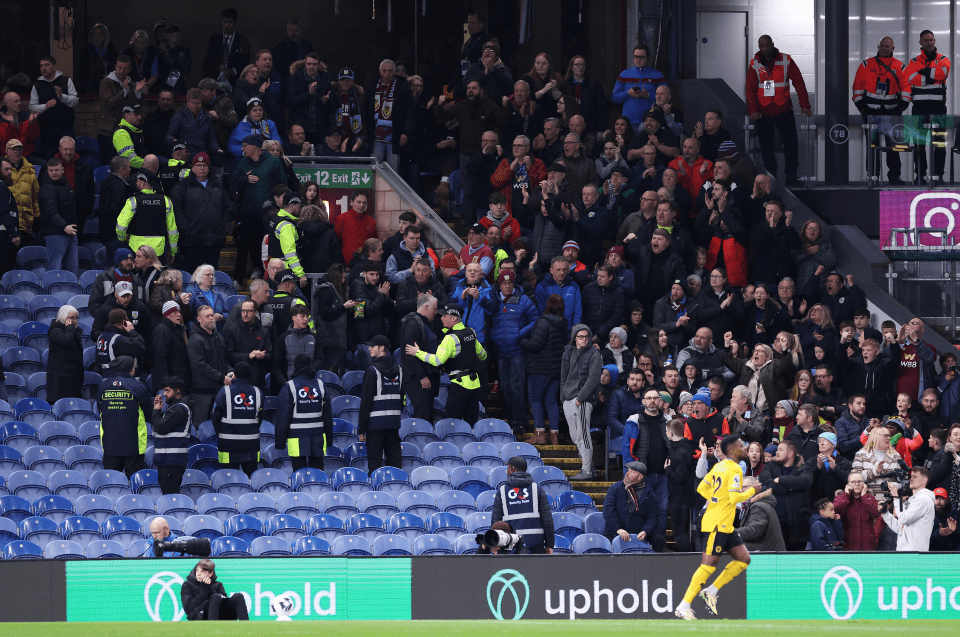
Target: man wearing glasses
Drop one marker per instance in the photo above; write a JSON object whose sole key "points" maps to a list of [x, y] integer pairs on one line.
{"points": [[636, 88]]}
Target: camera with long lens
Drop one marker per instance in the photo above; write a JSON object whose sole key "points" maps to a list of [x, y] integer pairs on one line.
{"points": [[901, 478], [493, 538], [190, 546]]}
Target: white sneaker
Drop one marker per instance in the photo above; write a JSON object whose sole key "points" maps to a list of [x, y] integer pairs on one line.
{"points": [[688, 614]]}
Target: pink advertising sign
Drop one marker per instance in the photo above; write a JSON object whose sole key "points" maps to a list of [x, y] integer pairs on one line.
{"points": [[915, 208]]}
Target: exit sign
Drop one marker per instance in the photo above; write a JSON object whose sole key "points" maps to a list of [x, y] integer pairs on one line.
{"points": [[336, 177]]}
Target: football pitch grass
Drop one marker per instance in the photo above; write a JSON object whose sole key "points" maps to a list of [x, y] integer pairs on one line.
{"points": [[560, 628]]}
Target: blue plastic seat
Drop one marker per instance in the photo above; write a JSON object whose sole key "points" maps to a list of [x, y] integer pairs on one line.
{"points": [[351, 545], [122, 529], [273, 482], [378, 503], [44, 307], [477, 522], [268, 433], [228, 546], [53, 507], [523, 449], [15, 508], [342, 404], [356, 456], [95, 507], [29, 485], [324, 526], [63, 550], [145, 482], [22, 550], [139, 548], [344, 433], [203, 526], [98, 549], [494, 431], [632, 546], [20, 284], [473, 480], [81, 302], [195, 484], [408, 525], [279, 458], [551, 479], [591, 543], [80, 529], [263, 546], [364, 525], [232, 300], [431, 479], [412, 456], [176, 505], [8, 334], [37, 385], [443, 455], [567, 525], [9, 531], [39, 530], [217, 505], [245, 527], [43, 459], [91, 383], [206, 434], [497, 477], [576, 502], [85, 459], [59, 435], [203, 458], [307, 545], [342, 505], [61, 284], [87, 279], [33, 334], [485, 500], [75, 411], [350, 480], [300, 505], [314, 482], [232, 482], [430, 544], [391, 480], [386, 545], [419, 503], [419, 432], [459, 503], [448, 525], [16, 386], [455, 431], [69, 484], [18, 437], [110, 483], [33, 411], [259, 505], [562, 545]]}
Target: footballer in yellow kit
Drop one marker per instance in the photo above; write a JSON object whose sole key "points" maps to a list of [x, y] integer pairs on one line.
{"points": [[723, 488]]}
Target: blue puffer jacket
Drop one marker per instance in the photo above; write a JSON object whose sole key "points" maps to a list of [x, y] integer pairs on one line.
{"points": [[513, 319], [475, 311], [848, 435], [197, 299], [569, 292], [265, 128], [196, 132], [623, 404]]}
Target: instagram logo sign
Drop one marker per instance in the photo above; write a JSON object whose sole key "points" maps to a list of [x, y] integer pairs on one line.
{"points": [[913, 209]]}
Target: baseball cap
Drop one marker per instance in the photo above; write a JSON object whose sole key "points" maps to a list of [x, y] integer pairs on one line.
{"points": [[655, 114], [346, 73], [477, 228], [287, 275], [452, 309], [556, 168], [666, 397], [292, 197], [201, 158], [379, 341], [124, 288], [14, 143], [636, 465], [940, 492]]}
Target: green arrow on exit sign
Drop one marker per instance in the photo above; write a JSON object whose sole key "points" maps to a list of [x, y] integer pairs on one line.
{"points": [[336, 177]]}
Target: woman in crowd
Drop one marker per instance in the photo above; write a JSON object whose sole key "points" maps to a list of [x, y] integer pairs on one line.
{"points": [[274, 147], [253, 124], [763, 318], [97, 59], [543, 82], [333, 306], [660, 348], [544, 346], [876, 458], [65, 362], [318, 247], [621, 134], [310, 193], [803, 391], [638, 332], [202, 292], [149, 269], [817, 328], [754, 460], [142, 54], [567, 107], [169, 287], [589, 94], [721, 309], [616, 353], [815, 258], [761, 373]]}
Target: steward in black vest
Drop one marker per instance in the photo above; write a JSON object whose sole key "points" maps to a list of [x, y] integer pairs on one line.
{"points": [[524, 506], [116, 341], [237, 414], [303, 416], [171, 434], [381, 404]]}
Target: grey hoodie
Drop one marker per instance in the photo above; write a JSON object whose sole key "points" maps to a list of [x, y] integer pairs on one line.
{"points": [[571, 384]]}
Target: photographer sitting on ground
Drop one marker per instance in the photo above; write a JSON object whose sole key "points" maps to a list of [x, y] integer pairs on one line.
{"points": [[912, 521], [526, 509], [203, 597]]}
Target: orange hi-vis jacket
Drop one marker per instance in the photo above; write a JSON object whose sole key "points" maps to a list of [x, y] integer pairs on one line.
{"points": [[783, 71], [881, 86], [928, 79]]}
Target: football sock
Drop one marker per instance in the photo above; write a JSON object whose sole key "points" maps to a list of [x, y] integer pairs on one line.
{"points": [[700, 577], [733, 569]]}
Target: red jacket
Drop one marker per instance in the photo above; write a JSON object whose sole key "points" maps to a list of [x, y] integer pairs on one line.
{"points": [[26, 132], [780, 103], [858, 516], [502, 179], [353, 228], [509, 228], [693, 180]]}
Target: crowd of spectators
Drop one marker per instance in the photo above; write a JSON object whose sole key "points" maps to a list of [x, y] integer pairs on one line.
{"points": [[644, 277]]}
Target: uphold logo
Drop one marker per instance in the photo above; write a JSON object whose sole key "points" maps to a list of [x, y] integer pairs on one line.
{"points": [[509, 580], [153, 600], [839, 582]]}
